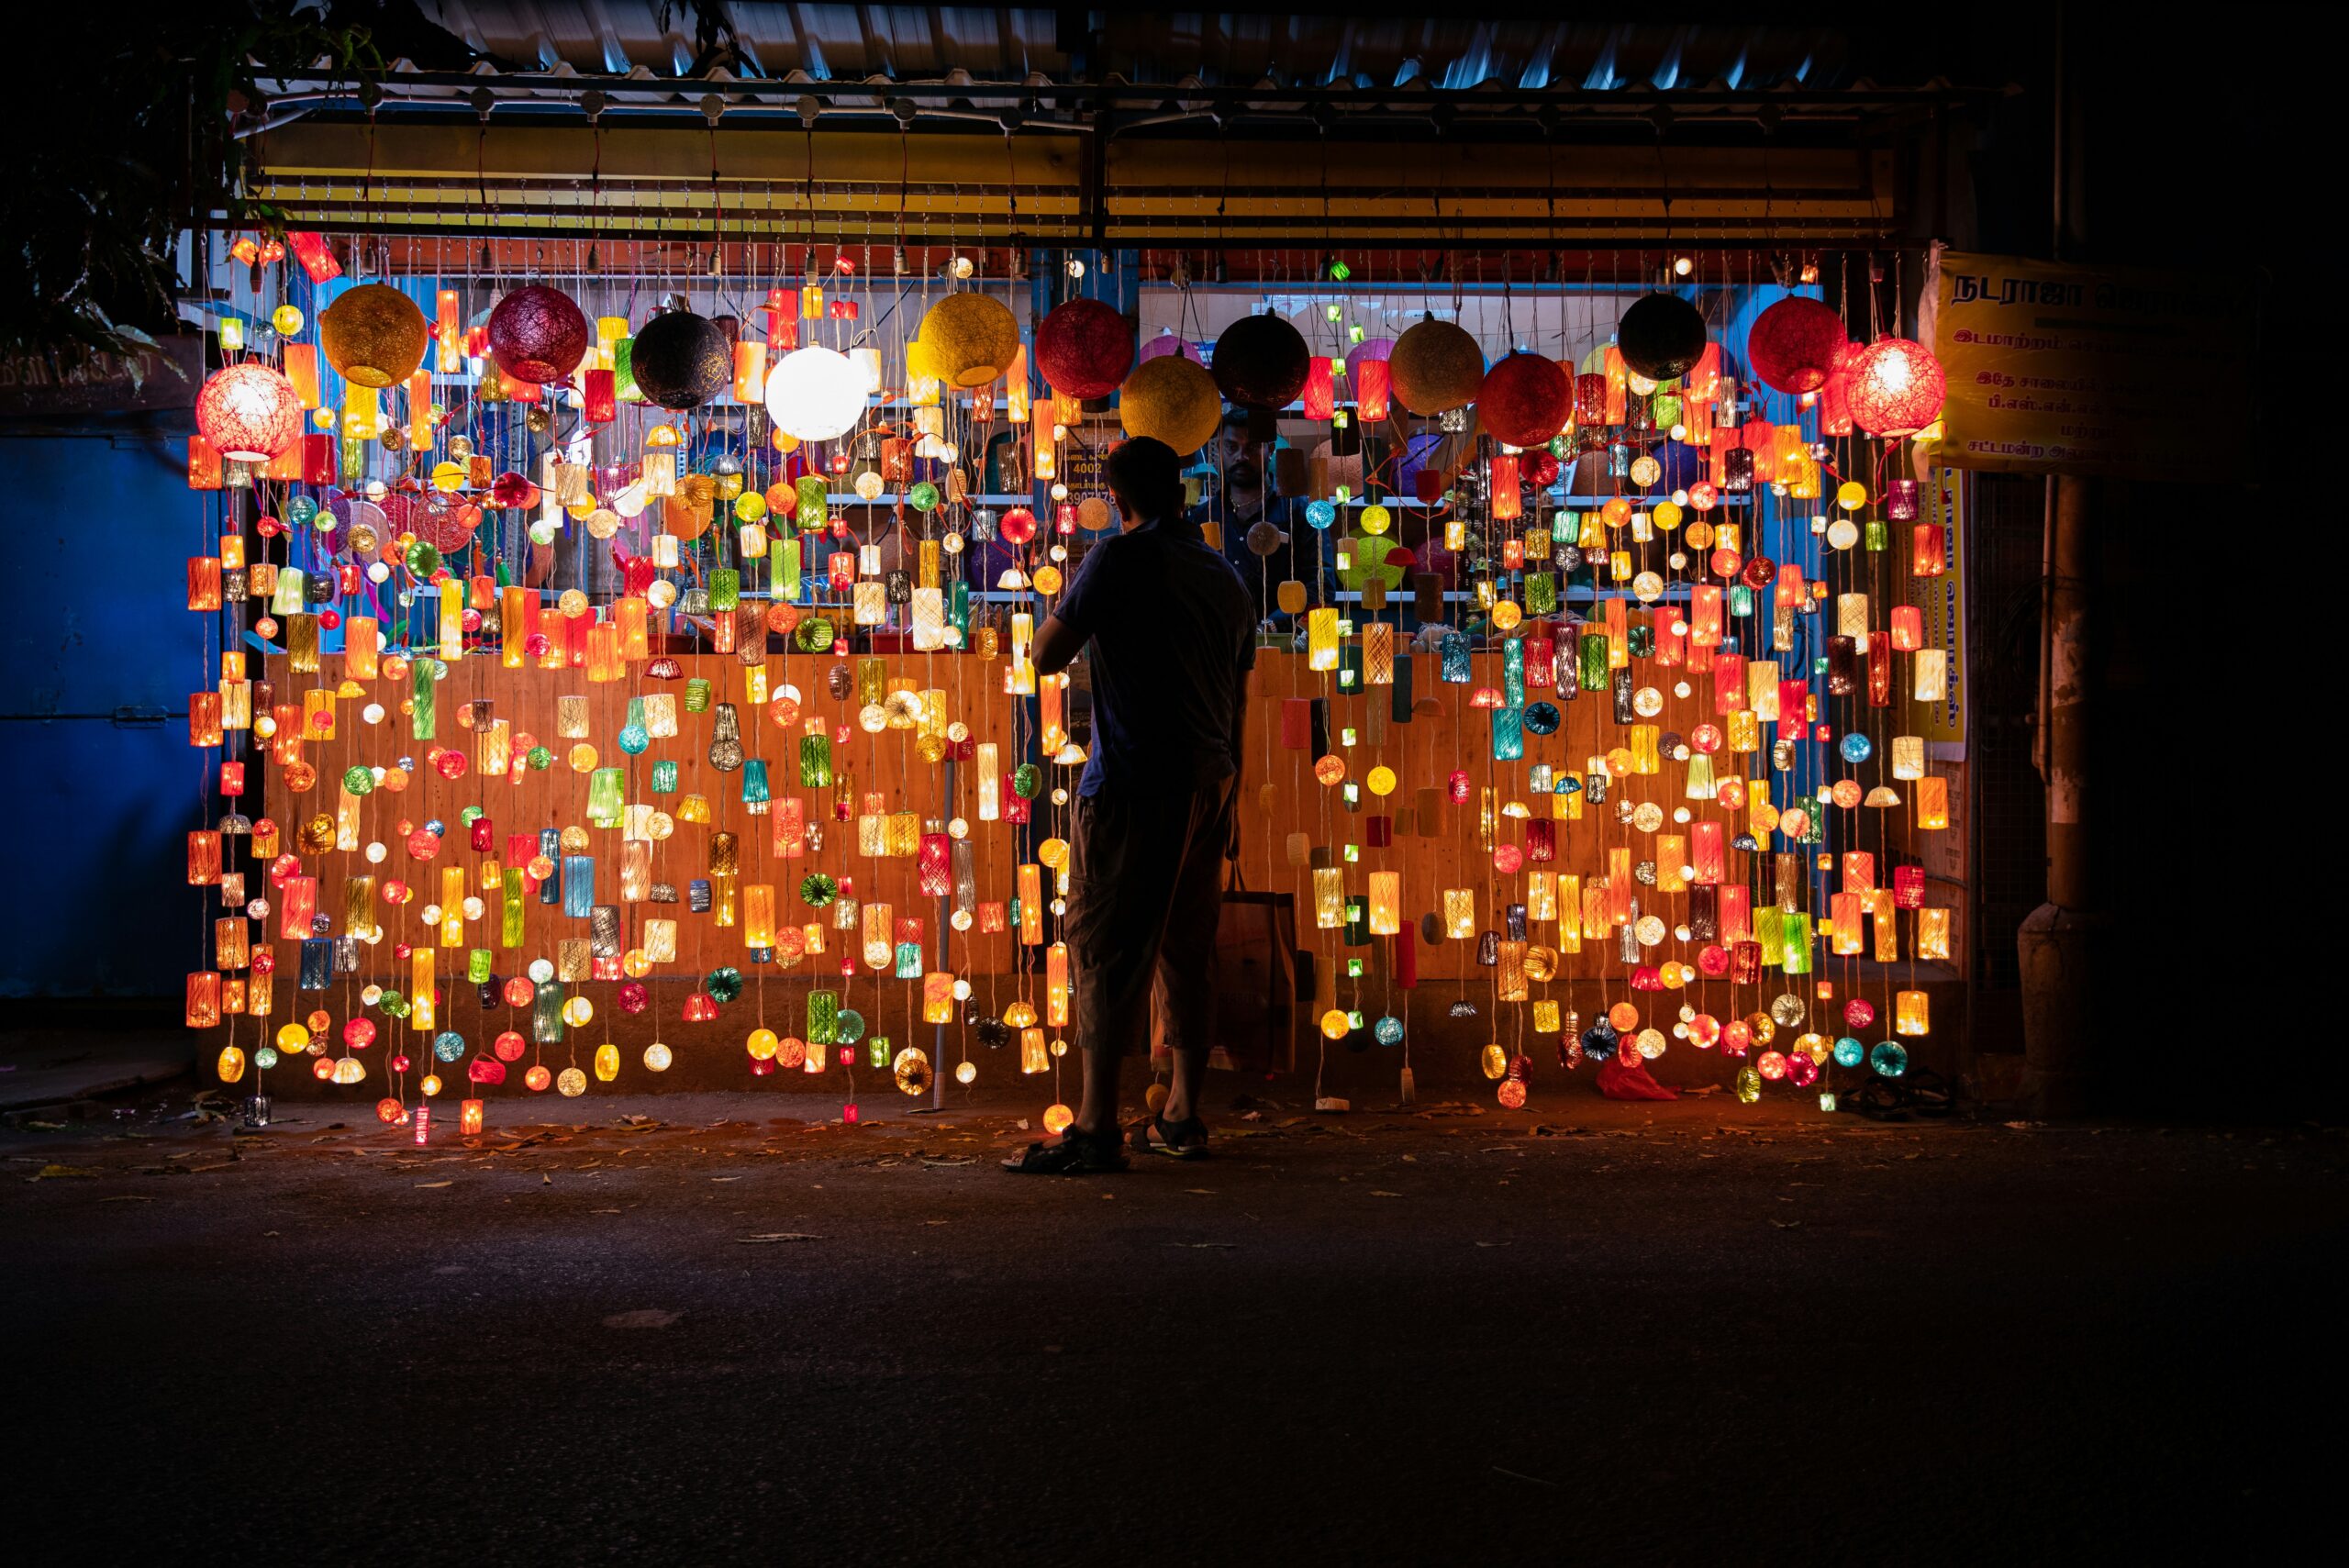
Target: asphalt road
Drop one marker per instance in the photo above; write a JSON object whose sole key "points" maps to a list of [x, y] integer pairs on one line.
{"points": [[1690, 1333]]}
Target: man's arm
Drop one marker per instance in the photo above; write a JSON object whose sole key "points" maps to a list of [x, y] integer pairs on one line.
{"points": [[1057, 644], [1239, 721], [1238, 747], [1070, 626]]}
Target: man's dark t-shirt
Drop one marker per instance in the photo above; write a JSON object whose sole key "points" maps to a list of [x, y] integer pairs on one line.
{"points": [[1174, 635]]}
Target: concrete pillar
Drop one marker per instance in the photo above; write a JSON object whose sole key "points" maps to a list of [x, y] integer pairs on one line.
{"points": [[2060, 943]]}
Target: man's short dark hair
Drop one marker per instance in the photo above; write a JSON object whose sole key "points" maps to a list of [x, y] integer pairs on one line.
{"points": [[1146, 475]]}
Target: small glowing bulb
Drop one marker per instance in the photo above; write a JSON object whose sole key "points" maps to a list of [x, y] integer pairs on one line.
{"points": [[1683, 266]]}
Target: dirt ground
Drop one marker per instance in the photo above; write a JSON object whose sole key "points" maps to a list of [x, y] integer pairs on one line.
{"points": [[680, 1329]]}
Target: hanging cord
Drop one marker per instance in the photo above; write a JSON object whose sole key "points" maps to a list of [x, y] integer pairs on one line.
{"points": [[712, 108], [1011, 192]]}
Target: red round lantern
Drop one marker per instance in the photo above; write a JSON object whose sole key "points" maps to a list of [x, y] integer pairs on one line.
{"points": [[1525, 400], [1017, 526], [1795, 345], [1084, 349], [538, 335], [1894, 387], [445, 522], [248, 413], [1261, 362], [510, 490]]}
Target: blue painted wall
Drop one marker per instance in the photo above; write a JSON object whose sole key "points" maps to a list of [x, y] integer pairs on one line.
{"points": [[97, 655]]}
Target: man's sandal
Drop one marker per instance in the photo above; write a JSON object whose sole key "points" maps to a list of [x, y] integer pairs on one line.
{"points": [[1076, 1155], [1184, 1140]]}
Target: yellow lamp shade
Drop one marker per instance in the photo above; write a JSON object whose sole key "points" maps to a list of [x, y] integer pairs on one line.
{"points": [[969, 339], [373, 334], [1173, 400]]}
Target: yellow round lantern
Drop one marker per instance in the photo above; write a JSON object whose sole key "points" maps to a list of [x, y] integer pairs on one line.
{"points": [[971, 338], [607, 1062], [1171, 399], [1058, 1119], [373, 334], [231, 1064], [1852, 495], [1290, 596], [1436, 365], [1494, 1061], [1334, 1024]]}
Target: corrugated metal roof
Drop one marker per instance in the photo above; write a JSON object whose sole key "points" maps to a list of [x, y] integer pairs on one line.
{"points": [[903, 43]]}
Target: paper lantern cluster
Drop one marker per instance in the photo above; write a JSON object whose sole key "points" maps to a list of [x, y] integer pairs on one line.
{"points": [[1607, 733]]}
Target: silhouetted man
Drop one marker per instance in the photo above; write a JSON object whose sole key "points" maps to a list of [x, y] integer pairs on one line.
{"points": [[1172, 631]]}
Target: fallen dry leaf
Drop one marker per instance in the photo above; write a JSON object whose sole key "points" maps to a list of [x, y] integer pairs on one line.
{"points": [[643, 1317]]}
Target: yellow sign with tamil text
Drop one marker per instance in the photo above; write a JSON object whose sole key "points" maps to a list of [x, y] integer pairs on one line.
{"points": [[2088, 370]]}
